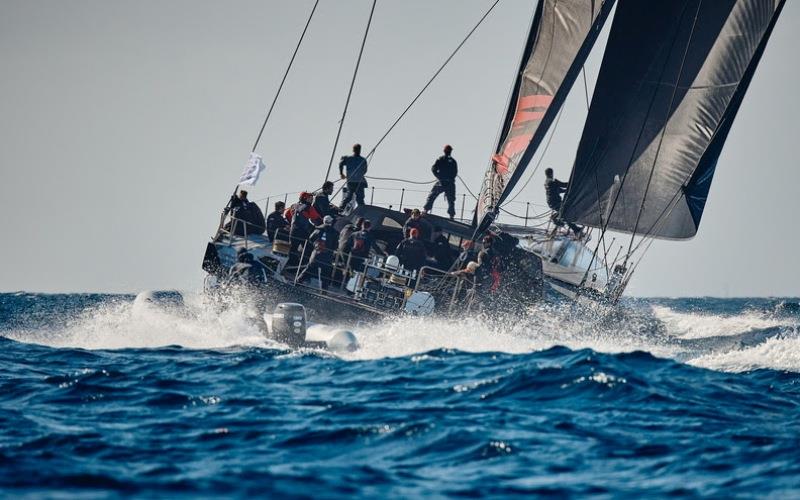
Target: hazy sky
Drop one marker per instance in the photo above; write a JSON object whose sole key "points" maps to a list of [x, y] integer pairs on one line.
{"points": [[124, 126]]}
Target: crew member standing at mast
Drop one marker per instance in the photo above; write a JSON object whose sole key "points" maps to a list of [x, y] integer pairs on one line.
{"points": [[445, 170], [355, 167], [554, 188]]}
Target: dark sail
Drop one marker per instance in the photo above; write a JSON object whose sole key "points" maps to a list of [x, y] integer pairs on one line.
{"points": [[561, 37], [672, 79]]}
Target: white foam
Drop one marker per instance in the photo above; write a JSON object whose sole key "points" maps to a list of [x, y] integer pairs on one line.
{"points": [[534, 330], [200, 324], [408, 336], [696, 326], [119, 325], [775, 353]]}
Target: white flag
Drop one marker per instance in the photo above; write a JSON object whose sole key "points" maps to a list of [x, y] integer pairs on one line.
{"points": [[252, 170]]}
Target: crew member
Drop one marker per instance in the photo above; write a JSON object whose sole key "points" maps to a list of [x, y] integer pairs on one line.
{"points": [[411, 251], [416, 221], [325, 240], [276, 221], [468, 253], [354, 168], [490, 265], [303, 218], [445, 170], [322, 202], [468, 274], [554, 188], [359, 245], [441, 251], [237, 201], [344, 242], [347, 230], [247, 217]]}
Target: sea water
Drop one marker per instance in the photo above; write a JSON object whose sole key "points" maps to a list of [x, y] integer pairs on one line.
{"points": [[100, 396]]}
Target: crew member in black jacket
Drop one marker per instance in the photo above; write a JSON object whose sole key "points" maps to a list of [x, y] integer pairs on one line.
{"points": [[411, 251], [445, 170], [322, 201], [553, 189], [276, 221]]}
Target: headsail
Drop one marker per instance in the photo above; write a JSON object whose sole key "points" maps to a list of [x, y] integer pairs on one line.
{"points": [[561, 37], [672, 79]]}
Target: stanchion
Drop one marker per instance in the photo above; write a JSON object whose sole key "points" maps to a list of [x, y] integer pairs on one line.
{"points": [[527, 209]]}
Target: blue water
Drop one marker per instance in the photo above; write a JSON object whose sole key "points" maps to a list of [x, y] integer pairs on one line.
{"points": [[676, 397]]}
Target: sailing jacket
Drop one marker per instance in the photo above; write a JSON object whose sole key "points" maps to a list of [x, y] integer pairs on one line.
{"points": [[322, 204], [355, 168], [302, 217], [276, 221], [411, 252], [553, 189], [442, 252], [326, 241], [361, 242], [445, 169], [419, 224], [248, 217]]}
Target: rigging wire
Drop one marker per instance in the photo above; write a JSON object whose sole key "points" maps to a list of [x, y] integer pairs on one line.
{"points": [[277, 94], [395, 179], [597, 187], [285, 74], [432, 78], [468, 190], [419, 94], [350, 91], [585, 86]]}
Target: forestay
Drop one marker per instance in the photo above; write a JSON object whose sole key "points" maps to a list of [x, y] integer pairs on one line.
{"points": [[672, 79]]}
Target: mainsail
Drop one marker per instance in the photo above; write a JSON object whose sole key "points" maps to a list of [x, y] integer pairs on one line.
{"points": [[672, 79], [560, 38]]}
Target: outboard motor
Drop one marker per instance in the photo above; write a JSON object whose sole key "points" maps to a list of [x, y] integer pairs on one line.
{"points": [[287, 323]]}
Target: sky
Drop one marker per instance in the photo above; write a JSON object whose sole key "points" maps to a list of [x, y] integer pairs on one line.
{"points": [[125, 125]]}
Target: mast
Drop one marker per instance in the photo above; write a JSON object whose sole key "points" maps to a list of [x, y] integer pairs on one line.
{"points": [[673, 77], [560, 38]]}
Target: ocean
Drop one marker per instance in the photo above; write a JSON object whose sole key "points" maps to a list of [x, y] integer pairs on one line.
{"points": [[102, 398]]}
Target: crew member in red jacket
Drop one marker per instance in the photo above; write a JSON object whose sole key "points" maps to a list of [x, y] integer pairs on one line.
{"points": [[303, 218]]}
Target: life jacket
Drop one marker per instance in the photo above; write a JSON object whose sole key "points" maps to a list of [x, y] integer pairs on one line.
{"points": [[301, 215], [361, 242]]}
